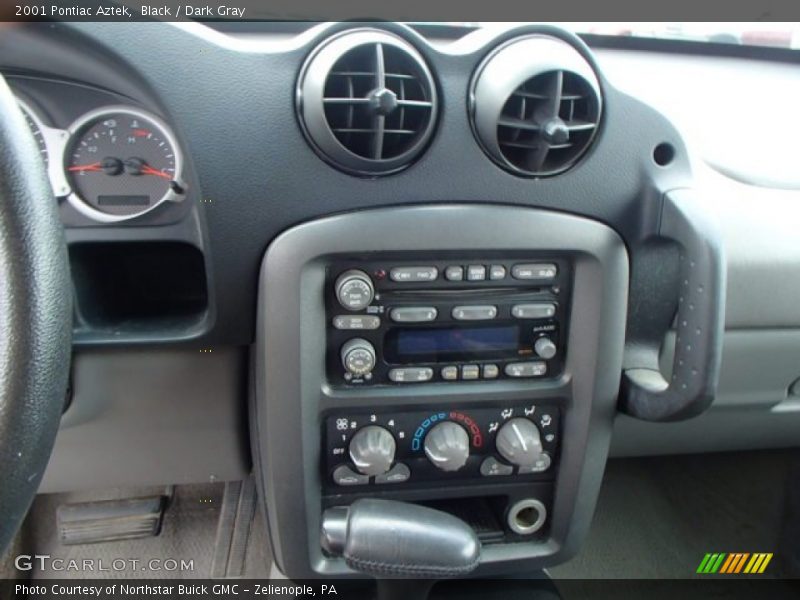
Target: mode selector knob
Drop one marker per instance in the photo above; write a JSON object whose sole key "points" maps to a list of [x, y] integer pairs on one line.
{"points": [[518, 441], [354, 290], [372, 450], [358, 357], [447, 446]]}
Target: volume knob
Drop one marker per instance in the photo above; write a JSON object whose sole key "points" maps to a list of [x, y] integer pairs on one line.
{"points": [[447, 446], [518, 441], [372, 450], [358, 357], [354, 290]]}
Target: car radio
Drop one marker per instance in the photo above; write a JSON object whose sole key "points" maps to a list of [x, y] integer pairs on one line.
{"points": [[476, 319]]}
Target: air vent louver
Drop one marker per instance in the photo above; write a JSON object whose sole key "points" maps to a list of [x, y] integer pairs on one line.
{"points": [[536, 106], [367, 102]]}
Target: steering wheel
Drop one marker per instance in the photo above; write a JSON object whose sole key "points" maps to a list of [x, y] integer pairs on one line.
{"points": [[35, 317]]}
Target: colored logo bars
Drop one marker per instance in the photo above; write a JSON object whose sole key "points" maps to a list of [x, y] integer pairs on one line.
{"points": [[734, 563]]}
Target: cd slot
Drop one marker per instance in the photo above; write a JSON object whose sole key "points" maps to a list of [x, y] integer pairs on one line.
{"points": [[505, 292]]}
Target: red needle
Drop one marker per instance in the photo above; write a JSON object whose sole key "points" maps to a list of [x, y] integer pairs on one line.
{"points": [[148, 170], [92, 167]]}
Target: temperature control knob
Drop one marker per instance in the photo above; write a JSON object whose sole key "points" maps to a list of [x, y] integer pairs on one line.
{"points": [[545, 348], [519, 443], [354, 290], [372, 450], [447, 446], [358, 357]]}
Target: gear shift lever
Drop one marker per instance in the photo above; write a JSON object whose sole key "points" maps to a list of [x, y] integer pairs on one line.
{"points": [[389, 539]]}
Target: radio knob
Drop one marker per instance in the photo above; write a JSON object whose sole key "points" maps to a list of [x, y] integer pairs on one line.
{"points": [[545, 348], [447, 446], [354, 290], [518, 441], [372, 450], [358, 357]]}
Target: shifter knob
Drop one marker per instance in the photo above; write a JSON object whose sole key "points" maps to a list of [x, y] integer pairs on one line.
{"points": [[372, 450], [518, 441], [447, 446]]}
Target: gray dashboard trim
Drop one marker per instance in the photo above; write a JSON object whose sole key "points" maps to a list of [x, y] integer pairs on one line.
{"points": [[152, 417], [290, 350]]}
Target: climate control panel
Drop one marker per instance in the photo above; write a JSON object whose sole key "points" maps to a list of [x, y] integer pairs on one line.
{"points": [[399, 448]]}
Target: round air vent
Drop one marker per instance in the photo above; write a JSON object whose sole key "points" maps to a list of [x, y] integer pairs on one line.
{"points": [[367, 102], [535, 105]]}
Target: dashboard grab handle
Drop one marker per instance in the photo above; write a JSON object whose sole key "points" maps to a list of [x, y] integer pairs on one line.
{"points": [[700, 322]]}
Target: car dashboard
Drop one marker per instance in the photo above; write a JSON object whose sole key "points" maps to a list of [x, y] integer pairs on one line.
{"points": [[371, 260]]}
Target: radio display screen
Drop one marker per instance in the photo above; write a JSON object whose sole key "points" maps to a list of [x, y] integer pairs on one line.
{"points": [[452, 343]]}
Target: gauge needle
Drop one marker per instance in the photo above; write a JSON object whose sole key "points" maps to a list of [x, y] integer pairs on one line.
{"points": [[148, 170], [92, 167]]}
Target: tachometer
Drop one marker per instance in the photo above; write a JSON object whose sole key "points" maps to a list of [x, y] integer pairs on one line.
{"points": [[122, 163]]}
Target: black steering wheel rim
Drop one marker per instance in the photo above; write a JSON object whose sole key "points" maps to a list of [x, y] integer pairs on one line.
{"points": [[35, 317]]}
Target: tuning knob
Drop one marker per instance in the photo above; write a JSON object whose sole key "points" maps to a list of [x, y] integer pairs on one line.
{"points": [[354, 290], [372, 450], [358, 357], [545, 348], [518, 441], [447, 446]]}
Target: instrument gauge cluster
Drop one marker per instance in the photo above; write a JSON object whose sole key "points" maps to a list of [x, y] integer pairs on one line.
{"points": [[112, 163]]}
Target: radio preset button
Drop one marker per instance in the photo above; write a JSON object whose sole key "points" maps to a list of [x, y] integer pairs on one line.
{"points": [[397, 474], [344, 475], [450, 373], [526, 369], [490, 371], [474, 313], [413, 274], [534, 271], [413, 314], [411, 374], [454, 273], [470, 372], [540, 310], [497, 272], [491, 467], [348, 322], [476, 273]]}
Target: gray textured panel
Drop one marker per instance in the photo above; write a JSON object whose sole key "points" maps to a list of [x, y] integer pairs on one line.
{"points": [[290, 380], [761, 230], [146, 417]]}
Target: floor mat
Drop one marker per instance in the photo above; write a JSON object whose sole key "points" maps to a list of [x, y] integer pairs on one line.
{"points": [[658, 517]]}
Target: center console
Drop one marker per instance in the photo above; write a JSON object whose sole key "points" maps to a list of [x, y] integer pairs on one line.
{"points": [[442, 320], [468, 359]]}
